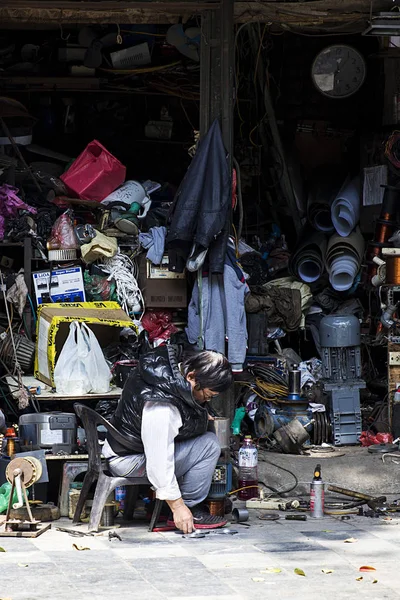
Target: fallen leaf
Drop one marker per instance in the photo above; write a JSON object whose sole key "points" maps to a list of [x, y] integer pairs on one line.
{"points": [[327, 531], [350, 541], [271, 570], [258, 579], [300, 572], [359, 578], [80, 547], [375, 581], [366, 569], [2, 550], [327, 571], [22, 565]]}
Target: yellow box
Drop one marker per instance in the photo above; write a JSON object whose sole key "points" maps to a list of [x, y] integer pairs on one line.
{"points": [[53, 328]]}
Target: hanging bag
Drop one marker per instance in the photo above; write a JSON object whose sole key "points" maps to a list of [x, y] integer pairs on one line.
{"points": [[70, 375], [97, 369]]}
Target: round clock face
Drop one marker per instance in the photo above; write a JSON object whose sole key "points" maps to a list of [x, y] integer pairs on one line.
{"points": [[338, 71]]}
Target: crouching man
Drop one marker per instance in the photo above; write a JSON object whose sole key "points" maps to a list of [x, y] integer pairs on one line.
{"points": [[162, 413]]}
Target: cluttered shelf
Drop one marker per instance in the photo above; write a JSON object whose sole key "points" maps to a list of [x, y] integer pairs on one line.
{"points": [[47, 394]]}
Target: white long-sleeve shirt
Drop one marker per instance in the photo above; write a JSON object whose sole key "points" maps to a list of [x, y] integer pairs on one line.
{"points": [[160, 426]]}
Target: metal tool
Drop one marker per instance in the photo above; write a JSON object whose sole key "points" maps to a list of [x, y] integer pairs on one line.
{"points": [[378, 504], [198, 533], [269, 517]]}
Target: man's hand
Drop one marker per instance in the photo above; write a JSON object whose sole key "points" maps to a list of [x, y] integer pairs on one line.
{"points": [[183, 517]]}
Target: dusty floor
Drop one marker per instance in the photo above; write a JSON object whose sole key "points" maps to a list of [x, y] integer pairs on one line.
{"points": [[258, 562]]}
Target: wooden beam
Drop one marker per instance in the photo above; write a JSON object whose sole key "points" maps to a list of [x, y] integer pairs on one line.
{"points": [[292, 14]]}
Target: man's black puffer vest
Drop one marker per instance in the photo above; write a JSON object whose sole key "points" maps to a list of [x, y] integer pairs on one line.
{"points": [[156, 379]]}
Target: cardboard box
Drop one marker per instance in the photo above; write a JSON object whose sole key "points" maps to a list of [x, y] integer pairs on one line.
{"points": [[66, 285], [160, 291], [105, 319]]}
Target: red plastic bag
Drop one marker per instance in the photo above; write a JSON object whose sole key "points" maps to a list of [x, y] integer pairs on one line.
{"points": [[158, 324], [94, 174], [63, 233], [367, 438]]}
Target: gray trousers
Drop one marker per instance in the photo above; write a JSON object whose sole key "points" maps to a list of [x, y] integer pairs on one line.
{"points": [[195, 461]]}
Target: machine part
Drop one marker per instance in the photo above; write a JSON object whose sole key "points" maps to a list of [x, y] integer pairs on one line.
{"points": [[291, 437], [55, 431], [30, 467], [85, 233], [273, 503], [387, 315], [296, 517], [322, 429], [240, 515], [383, 448], [269, 517], [62, 255], [22, 473], [216, 507], [317, 495], [25, 352], [263, 422], [340, 342], [221, 427], [221, 483], [294, 383]]}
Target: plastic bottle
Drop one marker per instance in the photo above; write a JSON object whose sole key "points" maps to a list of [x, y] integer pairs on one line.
{"points": [[248, 458], [120, 495]]}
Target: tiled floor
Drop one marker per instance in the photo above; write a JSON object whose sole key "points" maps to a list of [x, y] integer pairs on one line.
{"points": [[167, 566]]}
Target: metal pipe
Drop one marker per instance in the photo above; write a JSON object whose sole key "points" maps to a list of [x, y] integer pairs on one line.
{"points": [[352, 494]]}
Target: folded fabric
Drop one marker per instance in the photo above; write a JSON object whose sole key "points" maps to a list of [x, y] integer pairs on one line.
{"points": [[154, 243], [282, 306], [101, 246]]}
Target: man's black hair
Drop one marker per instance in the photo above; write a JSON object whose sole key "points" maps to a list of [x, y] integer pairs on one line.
{"points": [[211, 370]]}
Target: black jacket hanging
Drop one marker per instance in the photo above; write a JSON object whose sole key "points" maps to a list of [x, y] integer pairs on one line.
{"points": [[202, 206]]}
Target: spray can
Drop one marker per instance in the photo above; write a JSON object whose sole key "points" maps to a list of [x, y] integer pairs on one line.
{"points": [[317, 495]]}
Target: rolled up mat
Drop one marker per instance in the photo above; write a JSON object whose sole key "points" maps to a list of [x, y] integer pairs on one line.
{"points": [[345, 209], [325, 183], [343, 259], [355, 241], [308, 260]]}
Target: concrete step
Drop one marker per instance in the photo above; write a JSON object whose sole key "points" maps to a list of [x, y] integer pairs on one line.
{"points": [[350, 467]]}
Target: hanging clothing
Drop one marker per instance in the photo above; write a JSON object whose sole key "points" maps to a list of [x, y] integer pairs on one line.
{"points": [[201, 207], [224, 317], [154, 243]]}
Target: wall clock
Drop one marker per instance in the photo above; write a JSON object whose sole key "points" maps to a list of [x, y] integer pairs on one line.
{"points": [[338, 71]]}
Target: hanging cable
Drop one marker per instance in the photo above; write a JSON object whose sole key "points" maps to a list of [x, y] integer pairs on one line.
{"points": [[125, 273]]}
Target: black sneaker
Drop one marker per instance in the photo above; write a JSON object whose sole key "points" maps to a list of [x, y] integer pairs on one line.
{"points": [[202, 519]]}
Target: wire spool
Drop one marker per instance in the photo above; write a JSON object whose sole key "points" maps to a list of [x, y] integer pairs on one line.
{"points": [[393, 270], [31, 469], [216, 507], [107, 518]]}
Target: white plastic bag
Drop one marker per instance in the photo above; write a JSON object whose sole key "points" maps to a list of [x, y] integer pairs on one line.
{"points": [[70, 375], [97, 369]]}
